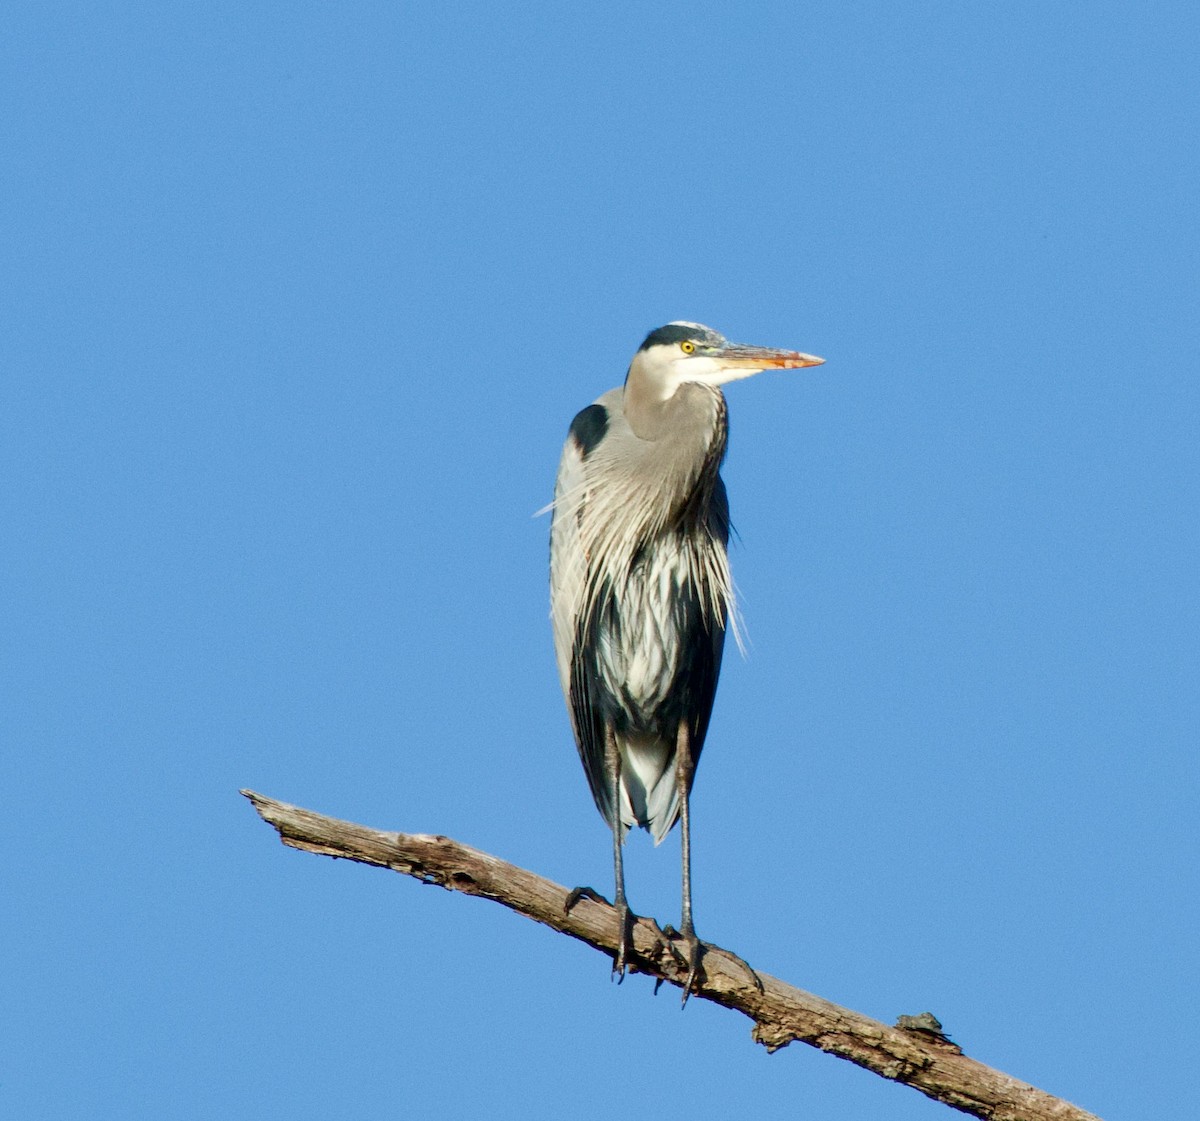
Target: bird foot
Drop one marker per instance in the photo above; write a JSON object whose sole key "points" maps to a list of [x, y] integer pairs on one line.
{"points": [[624, 939], [664, 938], [668, 939], [694, 952], [624, 917], [578, 893]]}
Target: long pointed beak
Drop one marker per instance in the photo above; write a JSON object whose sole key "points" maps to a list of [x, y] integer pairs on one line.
{"points": [[737, 356]]}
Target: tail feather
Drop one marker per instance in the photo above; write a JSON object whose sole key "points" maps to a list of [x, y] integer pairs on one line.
{"points": [[649, 792]]}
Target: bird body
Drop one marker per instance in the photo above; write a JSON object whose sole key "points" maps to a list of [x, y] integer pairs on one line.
{"points": [[640, 590], [640, 599]]}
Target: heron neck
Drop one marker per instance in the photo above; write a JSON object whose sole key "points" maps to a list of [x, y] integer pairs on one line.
{"points": [[682, 442], [693, 409]]}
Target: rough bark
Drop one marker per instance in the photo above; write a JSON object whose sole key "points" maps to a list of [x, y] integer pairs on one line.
{"points": [[915, 1053]]}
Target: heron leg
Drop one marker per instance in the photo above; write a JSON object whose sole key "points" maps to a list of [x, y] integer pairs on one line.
{"points": [[685, 768], [612, 764]]}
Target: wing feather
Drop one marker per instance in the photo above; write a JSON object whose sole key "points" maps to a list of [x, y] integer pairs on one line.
{"points": [[570, 576]]}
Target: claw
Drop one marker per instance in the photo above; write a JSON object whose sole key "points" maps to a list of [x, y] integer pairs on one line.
{"points": [[749, 969], [694, 952], [666, 939], [578, 893], [753, 976]]}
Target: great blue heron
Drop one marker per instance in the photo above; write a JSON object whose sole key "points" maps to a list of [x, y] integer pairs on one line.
{"points": [[639, 584]]}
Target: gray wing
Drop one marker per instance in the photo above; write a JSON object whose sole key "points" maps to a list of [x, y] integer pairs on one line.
{"points": [[568, 559], [569, 584], [705, 667]]}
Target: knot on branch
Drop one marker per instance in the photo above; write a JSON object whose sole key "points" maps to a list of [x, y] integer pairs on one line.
{"points": [[925, 1025], [772, 1036]]}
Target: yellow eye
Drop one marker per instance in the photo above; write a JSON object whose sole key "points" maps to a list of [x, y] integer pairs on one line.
{"points": [[687, 347]]}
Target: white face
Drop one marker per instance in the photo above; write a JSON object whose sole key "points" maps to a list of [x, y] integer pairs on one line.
{"points": [[671, 366], [708, 359]]}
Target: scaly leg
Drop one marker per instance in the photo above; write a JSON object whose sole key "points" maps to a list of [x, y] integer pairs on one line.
{"points": [[685, 767], [612, 765]]}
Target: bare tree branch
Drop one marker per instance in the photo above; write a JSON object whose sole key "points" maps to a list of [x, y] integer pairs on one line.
{"points": [[915, 1053]]}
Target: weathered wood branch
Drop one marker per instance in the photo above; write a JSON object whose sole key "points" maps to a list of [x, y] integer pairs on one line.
{"points": [[916, 1054]]}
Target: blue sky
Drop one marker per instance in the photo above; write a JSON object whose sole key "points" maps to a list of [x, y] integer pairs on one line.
{"points": [[300, 300]]}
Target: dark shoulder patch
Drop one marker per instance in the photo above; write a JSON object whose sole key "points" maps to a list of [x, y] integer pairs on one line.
{"points": [[588, 428]]}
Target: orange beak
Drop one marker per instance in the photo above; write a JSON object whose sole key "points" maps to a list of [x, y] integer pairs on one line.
{"points": [[740, 357]]}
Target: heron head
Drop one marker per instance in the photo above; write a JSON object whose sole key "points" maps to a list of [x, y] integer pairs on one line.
{"points": [[684, 352]]}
